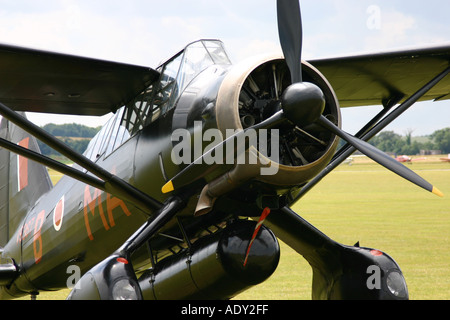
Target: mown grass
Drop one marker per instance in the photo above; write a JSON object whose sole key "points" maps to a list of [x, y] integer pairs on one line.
{"points": [[364, 202]]}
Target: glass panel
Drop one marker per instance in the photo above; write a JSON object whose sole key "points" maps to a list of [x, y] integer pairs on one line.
{"points": [[169, 89], [112, 139], [97, 145], [196, 59], [106, 135], [217, 52], [122, 133], [116, 136]]}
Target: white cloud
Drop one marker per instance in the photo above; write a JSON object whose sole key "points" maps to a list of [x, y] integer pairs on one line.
{"points": [[241, 49], [396, 30]]}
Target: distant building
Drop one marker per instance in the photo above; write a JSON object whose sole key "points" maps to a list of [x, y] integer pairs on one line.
{"points": [[430, 152]]}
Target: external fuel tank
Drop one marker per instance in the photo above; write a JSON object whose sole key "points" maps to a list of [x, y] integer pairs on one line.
{"points": [[214, 266]]}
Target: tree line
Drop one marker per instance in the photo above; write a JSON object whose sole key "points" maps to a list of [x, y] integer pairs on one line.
{"points": [[76, 136], [71, 130], [389, 141]]}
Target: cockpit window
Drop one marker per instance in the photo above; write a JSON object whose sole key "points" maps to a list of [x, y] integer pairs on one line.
{"points": [[168, 85], [195, 60], [179, 71], [197, 57], [176, 74], [217, 52]]}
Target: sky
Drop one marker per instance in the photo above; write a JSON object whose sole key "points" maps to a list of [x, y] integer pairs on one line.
{"points": [[146, 32]]}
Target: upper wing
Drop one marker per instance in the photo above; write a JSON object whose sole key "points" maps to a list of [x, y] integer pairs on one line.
{"points": [[40, 81], [375, 79]]}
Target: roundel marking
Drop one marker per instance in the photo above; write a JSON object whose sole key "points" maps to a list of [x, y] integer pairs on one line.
{"points": [[58, 214]]}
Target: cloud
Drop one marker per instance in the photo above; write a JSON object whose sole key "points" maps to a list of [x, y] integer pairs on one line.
{"points": [[22, 28], [395, 30]]}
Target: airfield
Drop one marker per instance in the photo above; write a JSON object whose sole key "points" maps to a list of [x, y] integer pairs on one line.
{"points": [[365, 202]]}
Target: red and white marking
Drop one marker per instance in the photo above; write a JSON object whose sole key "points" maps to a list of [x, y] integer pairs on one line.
{"points": [[58, 214], [263, 217]]}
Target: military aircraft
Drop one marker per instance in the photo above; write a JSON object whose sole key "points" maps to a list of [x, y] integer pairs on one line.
{"points": [[129, 221]]}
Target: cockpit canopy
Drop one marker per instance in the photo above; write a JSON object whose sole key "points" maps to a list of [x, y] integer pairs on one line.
{"points": [[181, 69], [160, 97]]}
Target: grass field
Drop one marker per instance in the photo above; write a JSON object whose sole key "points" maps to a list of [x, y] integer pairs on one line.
{"points": [[364, 202]]}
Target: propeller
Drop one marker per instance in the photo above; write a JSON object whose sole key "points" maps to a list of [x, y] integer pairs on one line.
{"points": [[302, 104], [291, 36]]}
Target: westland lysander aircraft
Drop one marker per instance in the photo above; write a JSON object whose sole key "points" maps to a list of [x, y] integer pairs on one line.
{"points": [[132, 224]]}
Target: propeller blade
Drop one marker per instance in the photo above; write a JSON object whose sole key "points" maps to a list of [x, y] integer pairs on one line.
{"points": [[291, 35], [199, 168], [379, 157]]}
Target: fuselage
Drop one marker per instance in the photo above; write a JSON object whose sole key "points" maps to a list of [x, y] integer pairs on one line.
{"points": [[75, 224]]}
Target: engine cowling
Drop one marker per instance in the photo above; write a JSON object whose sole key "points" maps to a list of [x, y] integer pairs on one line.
{"points": [[251, 93]]}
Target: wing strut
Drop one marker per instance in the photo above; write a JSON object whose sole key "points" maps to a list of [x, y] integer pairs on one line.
{"points": [[53, 164], [347, 150], [386, 109], [109, 182], [170, 208]]}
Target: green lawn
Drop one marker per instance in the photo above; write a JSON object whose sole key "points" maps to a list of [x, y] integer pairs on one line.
{"points": [[365, 202]]}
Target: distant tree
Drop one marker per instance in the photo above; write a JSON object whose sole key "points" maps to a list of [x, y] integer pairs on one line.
{"points": [[71, 130], [441, 140], [67, 131], [408, 135], [388, 141]]}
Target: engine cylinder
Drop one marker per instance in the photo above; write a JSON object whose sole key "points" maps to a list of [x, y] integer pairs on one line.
{"points": [[214, 267]]}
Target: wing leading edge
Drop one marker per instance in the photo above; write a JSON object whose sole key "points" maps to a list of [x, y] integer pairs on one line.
{"points": [[377, 79], [39, 81]]}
